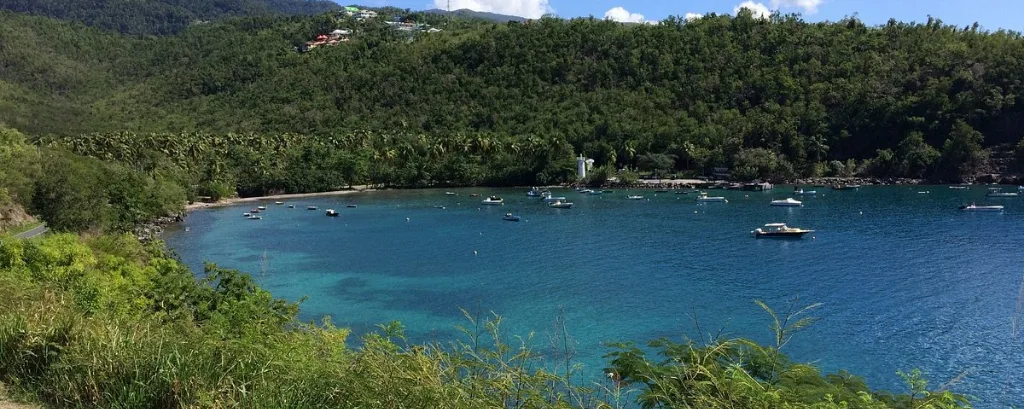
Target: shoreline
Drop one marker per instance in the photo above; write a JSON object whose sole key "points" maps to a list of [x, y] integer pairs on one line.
{"points": [[237, 200]]}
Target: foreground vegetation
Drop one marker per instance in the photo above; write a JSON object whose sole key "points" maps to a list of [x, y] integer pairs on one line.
{"points": [[108, 322]]}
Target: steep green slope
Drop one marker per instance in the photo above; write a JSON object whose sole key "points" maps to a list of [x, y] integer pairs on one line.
{"points": [[160, 16], [773, 98]]}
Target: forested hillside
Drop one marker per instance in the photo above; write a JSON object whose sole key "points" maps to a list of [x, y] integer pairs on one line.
{"points": [[774, 98], [160, 16]]}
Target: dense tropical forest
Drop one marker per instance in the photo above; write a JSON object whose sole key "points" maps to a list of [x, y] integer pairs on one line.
{"points": [[114, 113], [160, 16], [777, 98]]}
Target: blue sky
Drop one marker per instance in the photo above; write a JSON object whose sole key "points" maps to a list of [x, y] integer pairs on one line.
{"points": [[991, 14]]}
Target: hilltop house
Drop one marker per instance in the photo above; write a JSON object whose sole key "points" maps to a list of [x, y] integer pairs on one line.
{"points": [[336, 37]]}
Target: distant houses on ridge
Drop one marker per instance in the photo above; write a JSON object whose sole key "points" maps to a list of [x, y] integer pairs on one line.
{"points": [[343, 35]]}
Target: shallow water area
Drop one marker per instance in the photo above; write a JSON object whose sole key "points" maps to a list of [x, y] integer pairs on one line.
{"points": [[907, 280]]}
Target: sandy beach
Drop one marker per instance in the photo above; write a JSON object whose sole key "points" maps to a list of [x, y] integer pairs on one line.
{"points": [[278, 198]]}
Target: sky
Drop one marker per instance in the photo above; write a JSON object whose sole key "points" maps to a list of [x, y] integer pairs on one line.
{"points": [[990, 14]]}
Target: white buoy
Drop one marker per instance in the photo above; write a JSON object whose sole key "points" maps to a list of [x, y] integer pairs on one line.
{"points": [[474, 252], [407, 220]]}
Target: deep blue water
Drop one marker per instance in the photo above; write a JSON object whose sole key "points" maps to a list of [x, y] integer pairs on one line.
{"points": [[907, 280]]}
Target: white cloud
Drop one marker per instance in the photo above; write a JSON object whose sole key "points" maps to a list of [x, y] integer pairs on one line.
{"points": [[692, 16], [808, 6], [521, 8], [624, 16], [759, 10]]}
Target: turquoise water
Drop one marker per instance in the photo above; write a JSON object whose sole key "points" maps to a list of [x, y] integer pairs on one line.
{"points": [[906, 279]]}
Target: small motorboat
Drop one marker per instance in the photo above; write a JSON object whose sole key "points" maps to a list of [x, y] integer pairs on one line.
{"points": [[634, 197], [291, 206], [552, 199], [801, 192], [780, 230], [262, 207], [534, 192], [351, 206], [959, 187], [332, 213], [511, 217], [924, 192], [279, 203], [999, 193], [254, 211], [704, 198], [492, 201], [596, 192], [1020, 188], [311, 207], [246, 214], [255, 217], [474, 194], [787, 202], [560, 205], [440, 207], [449, 193], [975, 208], [585, 191]]}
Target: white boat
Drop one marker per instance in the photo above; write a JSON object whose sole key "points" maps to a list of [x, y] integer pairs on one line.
{"points": [[511, 217], [279, 203], [246, 214], [704, 198], [262, 207], [801, 192], [585, 191], [449, 193], [534, 192], [788, 202], [254, 217], [959, 187], [560, 205], [976, 208], [998, 193], [550, 199], [291, 206], [332, 213], [311, 208], [1020, 188], [634, 197], [492, 201], [596, 192], [780, 230]]}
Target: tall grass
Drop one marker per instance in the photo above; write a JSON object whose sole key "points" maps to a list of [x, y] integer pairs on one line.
{"points": [[150, 336]]}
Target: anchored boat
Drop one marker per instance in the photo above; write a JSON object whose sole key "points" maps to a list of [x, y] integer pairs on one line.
{"points": [[332, 213], [558, 204], [976, 208], [780, 230], [998, 193], [492, 201], [704, 198], [511, 217], [788, 202]]}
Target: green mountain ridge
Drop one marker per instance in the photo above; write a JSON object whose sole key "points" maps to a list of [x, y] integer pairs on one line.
{"points": [[160, 16], [772, 98]]}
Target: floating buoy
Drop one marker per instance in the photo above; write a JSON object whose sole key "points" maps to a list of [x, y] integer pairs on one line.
{"points": [[861, 213], [407, 220], [474, 252]]}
